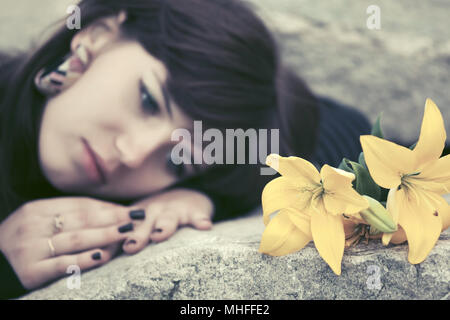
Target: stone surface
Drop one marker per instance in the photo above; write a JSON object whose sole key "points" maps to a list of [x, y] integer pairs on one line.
{"points": [[224, 263], [392, 70]]}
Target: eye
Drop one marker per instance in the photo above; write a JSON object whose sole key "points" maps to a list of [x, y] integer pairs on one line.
{"points": [[178, 170], [148, 102]]}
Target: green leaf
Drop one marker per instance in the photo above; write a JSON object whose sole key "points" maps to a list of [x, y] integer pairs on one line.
{"points": [[376, 129], [362, 161], [344, 165], [384, 195], [378, 217], [364, 182]]}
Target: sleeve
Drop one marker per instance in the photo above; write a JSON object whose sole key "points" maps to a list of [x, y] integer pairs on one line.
{"points": [[228, 208], [340, 127], [10, 285]]}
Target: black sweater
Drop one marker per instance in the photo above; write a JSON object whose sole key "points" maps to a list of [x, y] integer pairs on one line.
{"points": [[339, 130], [10, 286]]}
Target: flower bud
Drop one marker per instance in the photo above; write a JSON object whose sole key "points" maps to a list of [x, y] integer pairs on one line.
{"points": [[378, 217]]}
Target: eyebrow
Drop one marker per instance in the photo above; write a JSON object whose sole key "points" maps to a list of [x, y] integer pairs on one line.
{"points": [[165, 95]]}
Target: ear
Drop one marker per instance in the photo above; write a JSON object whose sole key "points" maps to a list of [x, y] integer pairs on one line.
{"points": [[99, 34]]}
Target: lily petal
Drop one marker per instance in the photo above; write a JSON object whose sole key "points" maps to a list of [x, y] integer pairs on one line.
{"points": [[349, 227], [280, 193], [301, 220], [444, 213], [329, 238], [435, 176], [294, 167], [391, 206], [430, 200], [432, 135], [282, 237], [345, 201], [399, 236], [421, 226], [387, 161], [333, 179], [340, 197]]}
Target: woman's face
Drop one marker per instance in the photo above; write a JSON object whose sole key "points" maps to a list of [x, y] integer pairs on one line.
{"points": [[117, 110]]}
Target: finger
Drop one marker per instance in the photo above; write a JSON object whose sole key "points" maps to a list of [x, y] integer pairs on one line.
{"points": [[85, 239], [165, 226], [140, 237], [52, 206], [200, 221], [50, 269], [113, 249], [76, 220]]}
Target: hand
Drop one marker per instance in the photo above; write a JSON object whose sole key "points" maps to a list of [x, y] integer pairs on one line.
{"points": [[165, 213], [89, 237]]}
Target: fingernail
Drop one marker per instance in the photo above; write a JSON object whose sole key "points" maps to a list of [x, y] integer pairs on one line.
{"points": [[138, 214], [97, 256], [130, 242], [158, 230], [126, 228]]}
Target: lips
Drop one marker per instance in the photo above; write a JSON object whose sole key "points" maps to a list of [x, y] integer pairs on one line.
{"points": [[92, 164]]}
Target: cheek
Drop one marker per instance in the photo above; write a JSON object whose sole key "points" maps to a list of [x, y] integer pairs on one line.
{"points": [[103, 94], [57, 148], [141, 183], [53, 132], [151, 177], [100, 103]]}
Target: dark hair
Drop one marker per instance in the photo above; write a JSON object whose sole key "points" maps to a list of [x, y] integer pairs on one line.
{"points": [[224, 69]]}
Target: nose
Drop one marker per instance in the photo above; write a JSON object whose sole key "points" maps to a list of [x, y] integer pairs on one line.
{"points": [[137, 145]]}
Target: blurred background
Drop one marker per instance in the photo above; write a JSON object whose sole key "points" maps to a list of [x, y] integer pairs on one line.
{"points": [[392, 70]]}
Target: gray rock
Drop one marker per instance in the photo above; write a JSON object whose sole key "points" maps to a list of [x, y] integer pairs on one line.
{"points": [[224, 263], [392, 70]]}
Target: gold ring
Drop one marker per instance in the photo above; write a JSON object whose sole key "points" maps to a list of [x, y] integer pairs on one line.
{"points": [[52, 248], [58, 223]]}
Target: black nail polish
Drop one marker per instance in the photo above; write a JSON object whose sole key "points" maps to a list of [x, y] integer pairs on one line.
{"points": [[97, 256], [131, 242], [138, 214], [126, 228], [158, 230]]}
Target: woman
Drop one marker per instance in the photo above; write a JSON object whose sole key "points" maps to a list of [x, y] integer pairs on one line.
{"points": [[86, 123]]}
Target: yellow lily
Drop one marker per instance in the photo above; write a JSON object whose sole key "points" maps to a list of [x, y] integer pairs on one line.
{"points": [[443, 211], [310, 206], [416, 179]]}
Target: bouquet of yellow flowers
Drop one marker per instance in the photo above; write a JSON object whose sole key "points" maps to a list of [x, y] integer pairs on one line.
{"points": [[392, 192]]}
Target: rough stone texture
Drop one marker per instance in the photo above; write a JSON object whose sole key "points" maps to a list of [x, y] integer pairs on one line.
{"points": [[391, 70], [224, 263]]}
